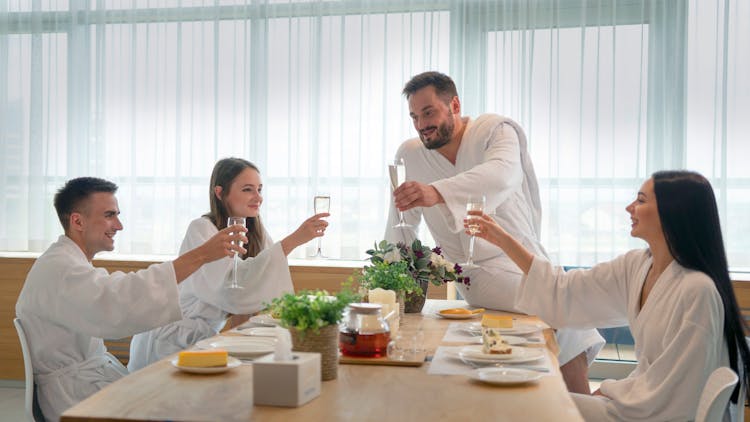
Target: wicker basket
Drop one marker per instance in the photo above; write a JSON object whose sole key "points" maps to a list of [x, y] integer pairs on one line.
{"points": [[415, 301], [325, 342]]}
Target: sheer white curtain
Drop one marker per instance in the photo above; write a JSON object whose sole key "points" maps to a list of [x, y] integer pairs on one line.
{"points": [[151, 93]]}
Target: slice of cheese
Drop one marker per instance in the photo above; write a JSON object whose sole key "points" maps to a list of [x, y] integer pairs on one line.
{"points": [[203, 358], [497, 321]]}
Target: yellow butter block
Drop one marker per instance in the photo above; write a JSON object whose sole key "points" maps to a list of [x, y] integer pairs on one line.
{"points": [[203, 358], [497, 321]]}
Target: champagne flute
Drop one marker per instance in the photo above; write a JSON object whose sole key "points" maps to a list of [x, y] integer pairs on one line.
{"points": [[397, 172], [231, 221], [321, 203], [474, 209]]}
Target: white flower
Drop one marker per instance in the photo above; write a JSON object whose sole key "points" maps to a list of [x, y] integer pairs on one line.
{"points": [[439, 261], [435, 259], [392, 256], [449, 267]]}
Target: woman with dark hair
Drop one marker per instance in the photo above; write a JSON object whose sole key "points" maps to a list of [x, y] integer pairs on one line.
{"points": [[263, 272], [676, 297]]}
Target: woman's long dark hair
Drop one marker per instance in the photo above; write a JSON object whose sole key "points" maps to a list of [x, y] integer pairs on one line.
{"points": [[690, 221], [224, 173]]}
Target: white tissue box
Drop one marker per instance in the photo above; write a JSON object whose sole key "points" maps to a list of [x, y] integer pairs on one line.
{"points": [[286, 383]]}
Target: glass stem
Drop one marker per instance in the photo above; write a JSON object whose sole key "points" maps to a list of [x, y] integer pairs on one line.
{"points": [[471, 250], [234, 277]]}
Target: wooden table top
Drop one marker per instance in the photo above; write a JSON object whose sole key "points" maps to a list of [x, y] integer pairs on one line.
{"points": [[361, 392]]}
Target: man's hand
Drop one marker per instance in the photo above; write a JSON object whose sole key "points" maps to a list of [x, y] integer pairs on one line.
{"points": [[415, 194]]}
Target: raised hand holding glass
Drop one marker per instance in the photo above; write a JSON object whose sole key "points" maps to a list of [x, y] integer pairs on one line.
{"points": [[231, 221], [474, 209], [321, 203], [397, 173]]}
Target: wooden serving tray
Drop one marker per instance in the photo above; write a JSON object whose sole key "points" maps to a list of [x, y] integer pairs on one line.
{"points": [[419, 361]]}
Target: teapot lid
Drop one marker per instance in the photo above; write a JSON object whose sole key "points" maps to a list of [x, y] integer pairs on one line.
{"points": [[366, 308]]}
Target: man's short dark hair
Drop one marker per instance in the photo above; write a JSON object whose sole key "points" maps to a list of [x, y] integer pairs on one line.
{"points": [[443, 84], [70, 198]]}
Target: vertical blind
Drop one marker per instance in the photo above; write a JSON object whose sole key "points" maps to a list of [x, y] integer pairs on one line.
{"points": [[150, 93]]}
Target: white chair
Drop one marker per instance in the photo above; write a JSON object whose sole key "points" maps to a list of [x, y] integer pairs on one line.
{"points": [[31, 407], [715, 395]]}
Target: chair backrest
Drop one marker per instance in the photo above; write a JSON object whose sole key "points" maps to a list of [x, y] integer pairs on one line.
{"points": [[31, 408], [740, 416], [715, 396]]}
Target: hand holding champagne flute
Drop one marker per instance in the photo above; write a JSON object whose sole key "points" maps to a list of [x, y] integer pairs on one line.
{"points": [[397, 173], [231, 221], [474, 209], [321, 204]]}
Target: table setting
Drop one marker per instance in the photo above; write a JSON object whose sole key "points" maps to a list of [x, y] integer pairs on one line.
{"points": [[508, 387], [525, 358]]}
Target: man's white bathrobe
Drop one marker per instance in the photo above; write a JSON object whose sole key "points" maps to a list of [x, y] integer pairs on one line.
{"points": [[67, 306], [678, 334], [492, 160], [206, 301]]}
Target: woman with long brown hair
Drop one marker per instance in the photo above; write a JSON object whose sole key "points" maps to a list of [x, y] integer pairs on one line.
{"points": [[675, 295], [263, 272]]}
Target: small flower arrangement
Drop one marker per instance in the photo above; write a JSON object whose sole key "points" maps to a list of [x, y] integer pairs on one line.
{"points": [[421, 262]]}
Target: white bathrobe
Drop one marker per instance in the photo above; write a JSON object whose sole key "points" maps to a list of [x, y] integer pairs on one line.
{"points": [[492, 160], [678, 334], [205, 300], [67, 306]]}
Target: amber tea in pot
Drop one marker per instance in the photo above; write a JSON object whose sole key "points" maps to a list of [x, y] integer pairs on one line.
{"points": [[364, 332]]}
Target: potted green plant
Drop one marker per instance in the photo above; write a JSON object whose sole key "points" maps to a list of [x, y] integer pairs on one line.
{"points": [[423, 265], [312, 318], [389, 276]]}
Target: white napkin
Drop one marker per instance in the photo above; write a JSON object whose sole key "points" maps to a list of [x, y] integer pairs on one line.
{"points": [[457, 333], [283, 351], [447, 362]]}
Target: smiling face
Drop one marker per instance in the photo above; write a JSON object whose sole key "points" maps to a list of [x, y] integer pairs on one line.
{"points": [[644, 215], [433, 119], [244, 196], [96, 224]]}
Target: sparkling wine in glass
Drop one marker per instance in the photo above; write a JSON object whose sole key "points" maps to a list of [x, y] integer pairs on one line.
{"points": [[231, 221], [397, 172], [474, 209], [321, 203]]}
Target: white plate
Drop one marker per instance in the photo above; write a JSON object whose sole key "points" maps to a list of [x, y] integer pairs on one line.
{"points": [[242, 347], [505, 376], [519, 329], [459, 316], [265, 320], [231, 363], [259, 331], [474, 354]]}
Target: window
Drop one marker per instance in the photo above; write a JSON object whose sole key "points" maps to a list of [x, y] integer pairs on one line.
{"points": [[151, 93]]}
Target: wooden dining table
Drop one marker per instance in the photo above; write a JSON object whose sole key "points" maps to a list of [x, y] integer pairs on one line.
{"points": [[360, 392]]}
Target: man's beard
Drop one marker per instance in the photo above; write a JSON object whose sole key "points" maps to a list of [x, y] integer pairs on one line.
{"points": [[443, 135]]}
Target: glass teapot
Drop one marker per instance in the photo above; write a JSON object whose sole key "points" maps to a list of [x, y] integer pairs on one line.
{"points": [[364, 332]]}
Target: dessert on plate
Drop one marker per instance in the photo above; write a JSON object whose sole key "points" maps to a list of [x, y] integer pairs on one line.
{"points": [[492, 340], [203, 358]]}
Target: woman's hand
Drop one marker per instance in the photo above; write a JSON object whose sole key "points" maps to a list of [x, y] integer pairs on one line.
{"points": [[311, 228], [487, 228]]}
